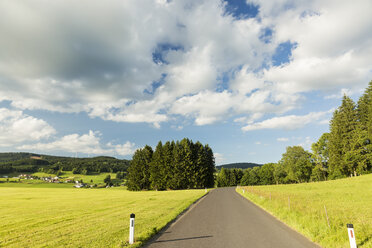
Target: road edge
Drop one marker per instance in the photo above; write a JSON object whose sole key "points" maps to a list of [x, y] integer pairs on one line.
{"points": [[266, 211], [174, 221]]}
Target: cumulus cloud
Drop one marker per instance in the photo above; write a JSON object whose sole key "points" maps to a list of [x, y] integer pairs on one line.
{"points": [[17, 127], [149, 61], [219, 158], [125, 149], [89, 143], [288, 122], [282, 139]]}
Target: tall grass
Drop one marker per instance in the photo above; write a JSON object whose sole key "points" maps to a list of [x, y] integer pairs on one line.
{"points": [[304, 206], [67, 217]]}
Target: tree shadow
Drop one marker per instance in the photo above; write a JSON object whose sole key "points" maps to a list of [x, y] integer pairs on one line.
{"points": [[191, 238]]}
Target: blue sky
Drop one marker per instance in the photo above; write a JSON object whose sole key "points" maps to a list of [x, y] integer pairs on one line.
{"points": [[247, 77]]}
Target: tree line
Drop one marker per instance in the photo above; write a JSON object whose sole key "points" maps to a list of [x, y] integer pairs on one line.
{"points": [[174, 165], [27, 162], [345, 151]]}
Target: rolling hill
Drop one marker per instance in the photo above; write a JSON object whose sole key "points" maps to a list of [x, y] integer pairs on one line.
{"points": [[238, 165]]}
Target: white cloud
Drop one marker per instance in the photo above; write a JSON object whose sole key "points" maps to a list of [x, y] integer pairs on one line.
{"points": [[219, 158], [209, 66], [124, 149], [288, 122], [306, 144], [282, 139], [17, 127], [89, 143]]}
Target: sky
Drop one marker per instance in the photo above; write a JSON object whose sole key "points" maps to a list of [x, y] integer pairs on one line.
{"points": [[249, 78]]}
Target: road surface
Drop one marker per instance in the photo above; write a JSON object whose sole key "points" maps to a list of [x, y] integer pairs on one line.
{"points": [[225, 219]]}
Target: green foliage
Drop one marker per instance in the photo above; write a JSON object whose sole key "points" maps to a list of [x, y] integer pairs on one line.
{"points": [[107, 180], [237, 166], [174, 165], [350, 146], [229, 177], [297, 163], [29, 162], [138, 172]]}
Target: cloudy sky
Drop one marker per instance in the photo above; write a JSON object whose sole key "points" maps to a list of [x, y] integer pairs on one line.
{"points": [[247, 77]]}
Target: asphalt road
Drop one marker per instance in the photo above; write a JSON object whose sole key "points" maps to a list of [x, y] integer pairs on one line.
{"points": [[225, 219]]}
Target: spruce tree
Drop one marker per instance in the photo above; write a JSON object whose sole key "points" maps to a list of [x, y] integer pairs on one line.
{"points": [[362, 151], [168, 167], [138, 171], [342, 140], [157, 168], [210, 165]]}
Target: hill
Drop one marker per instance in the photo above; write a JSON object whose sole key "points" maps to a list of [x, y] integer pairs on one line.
{"points": [[238, 165], [321, 210], [31, 162]]}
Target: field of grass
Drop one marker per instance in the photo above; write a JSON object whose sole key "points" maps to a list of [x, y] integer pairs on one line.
{"points": [[302, 207], [67, 217], [97, 179]]}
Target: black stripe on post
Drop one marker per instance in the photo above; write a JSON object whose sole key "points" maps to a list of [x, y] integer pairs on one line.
{"points": [[132, 215], [349, 225]]}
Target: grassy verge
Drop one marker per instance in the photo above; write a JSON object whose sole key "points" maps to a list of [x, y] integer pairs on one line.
{"points": [[67, 217], [304, 206]]}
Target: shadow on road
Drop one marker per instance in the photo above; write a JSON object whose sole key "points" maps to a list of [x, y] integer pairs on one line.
{"points": [[171, 240]]}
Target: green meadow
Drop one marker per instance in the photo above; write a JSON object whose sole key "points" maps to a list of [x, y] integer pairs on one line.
{"points": [[56, 216], [303, 207]]}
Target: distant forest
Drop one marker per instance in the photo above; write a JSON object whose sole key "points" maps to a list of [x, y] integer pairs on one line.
{"points": [[345, 151], [174, 165], [31, 162], [237, 166]]}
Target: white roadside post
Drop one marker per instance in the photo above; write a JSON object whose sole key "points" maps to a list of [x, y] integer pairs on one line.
{"points": [[131, 229], [350, 231]]}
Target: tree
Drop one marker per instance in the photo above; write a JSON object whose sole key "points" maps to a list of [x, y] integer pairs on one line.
{"points": [[138, 171], [320, 156], [266, 174], [342, 161], [107, 180], [297, 164], [280, 174], [156, 169], [363, 139], [223, 178]]}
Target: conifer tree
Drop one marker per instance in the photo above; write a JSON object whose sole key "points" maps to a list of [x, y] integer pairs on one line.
{"points": [[168, 170], [342, 138], [138, 171], [362, 150], [157, 168], [210, 164]]}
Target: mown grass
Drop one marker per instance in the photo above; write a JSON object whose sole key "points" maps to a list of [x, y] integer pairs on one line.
{"points": [[96, 178], [302, 207], [67, 217]]}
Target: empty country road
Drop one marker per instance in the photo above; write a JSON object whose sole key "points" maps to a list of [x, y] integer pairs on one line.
{"points": [[225, 219]]}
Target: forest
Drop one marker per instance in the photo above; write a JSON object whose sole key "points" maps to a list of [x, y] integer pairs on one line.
{"points": [[29, 162], [343, 152], [174, 165]]}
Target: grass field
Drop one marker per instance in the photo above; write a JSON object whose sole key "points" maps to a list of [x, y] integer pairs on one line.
{"points": [[91, 179], [86, 178], [302, 206], [35, 216]]}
